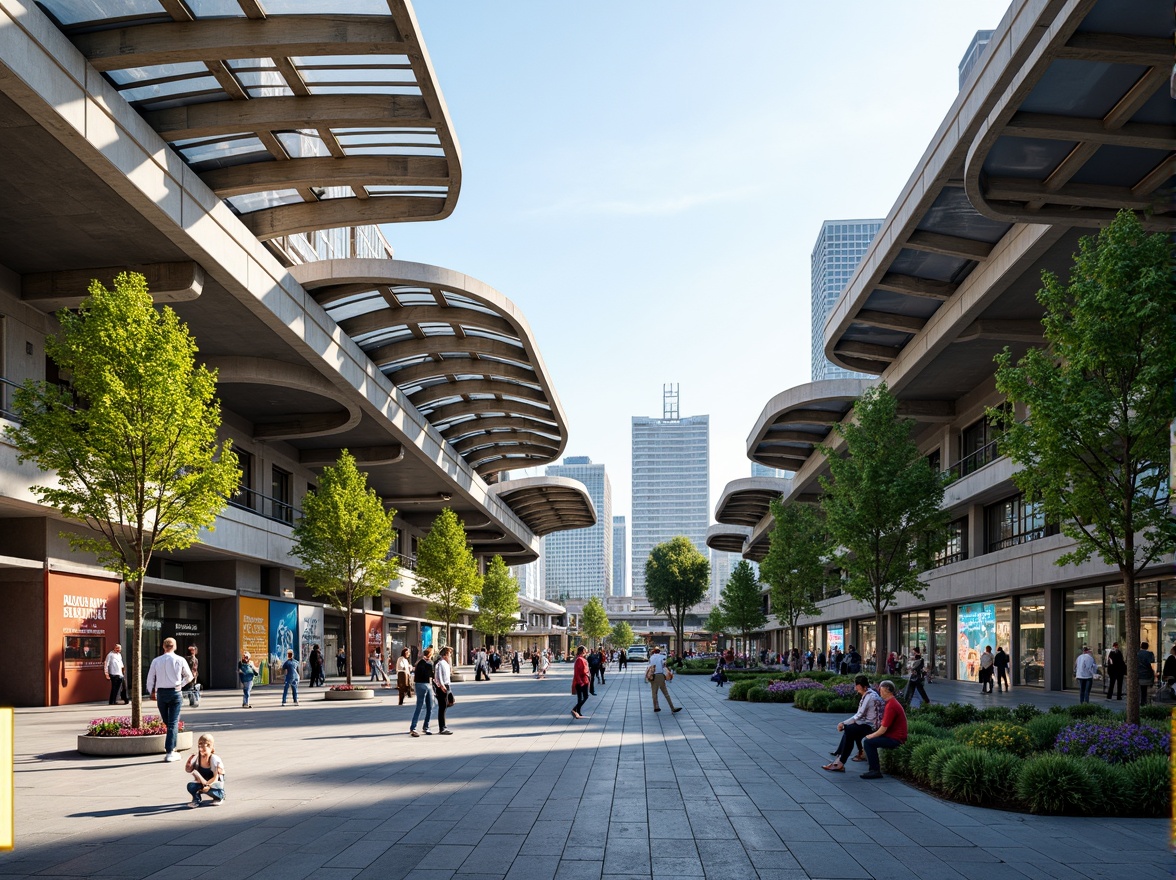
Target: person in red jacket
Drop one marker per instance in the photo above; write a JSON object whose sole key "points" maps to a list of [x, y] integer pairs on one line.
{"points": [[580, 681]]}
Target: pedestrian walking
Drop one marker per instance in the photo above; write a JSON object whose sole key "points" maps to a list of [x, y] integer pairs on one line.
{"points": [[403, 676], [593, 662], [917, 672], [535, 663], [719, 676], [246, 673], [600, 667], [1084, 669], [442, 690], [622, 660], [657, 675], [1001, 664], [317, 678], [290, 668], [821, 661], [193, 689], [422, 678], [515, 667], [855, 728], [481, 665], [891, 732], [1116, 668], [341, 662], [165, 681], [208, 772], [985, 675], [1146, 672], [544, 664], [378, 673], [581, 679], [116, 672]]}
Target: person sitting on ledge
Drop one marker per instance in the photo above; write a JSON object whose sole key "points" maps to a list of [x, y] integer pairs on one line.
{"points": [[891, 733], [853, 730]]}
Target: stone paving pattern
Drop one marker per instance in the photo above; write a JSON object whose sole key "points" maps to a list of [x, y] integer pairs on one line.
{"points": [[522, 791]]}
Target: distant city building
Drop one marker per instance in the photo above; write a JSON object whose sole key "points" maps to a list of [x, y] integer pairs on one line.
{"points": [[762, 470], [578, 564], [530, 576], [836, 255], [671, 482], [972, 57], [620, 580]]}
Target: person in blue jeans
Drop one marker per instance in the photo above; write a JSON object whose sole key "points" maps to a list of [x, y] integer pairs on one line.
{"points": [[290, 667], [165, 679], [422, 679], [246, 671]]}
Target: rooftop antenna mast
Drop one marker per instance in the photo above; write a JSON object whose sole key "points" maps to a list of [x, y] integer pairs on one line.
{"points": [[670, 402]]}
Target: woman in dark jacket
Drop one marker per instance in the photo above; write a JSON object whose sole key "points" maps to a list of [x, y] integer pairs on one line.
{"points": [[1147, 671]]}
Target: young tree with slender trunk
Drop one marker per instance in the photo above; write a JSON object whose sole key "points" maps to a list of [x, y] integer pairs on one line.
{"points": [[498, 606], [132, 441], [1095, 447], [795, 566], [622, 635], [676, 578], [594, 620], [447, 573], [742, 603], [715, 623], [344, 541], [881, 506]]}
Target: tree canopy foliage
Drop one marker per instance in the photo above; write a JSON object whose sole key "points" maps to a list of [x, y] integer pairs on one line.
{"points": [[344, 540], [622, 634], [131, 441], [1095, 448], [676, 578], [498, 606], [594, 620], [881, 506], [796, 564], [447, 573], [742, 603]]}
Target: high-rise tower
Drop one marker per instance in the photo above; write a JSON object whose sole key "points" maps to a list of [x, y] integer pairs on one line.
{"points": [[839, 248], [578, 564]]}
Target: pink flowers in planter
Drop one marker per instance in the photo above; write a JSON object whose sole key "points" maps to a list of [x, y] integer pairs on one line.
{"points": [[121, 726]]}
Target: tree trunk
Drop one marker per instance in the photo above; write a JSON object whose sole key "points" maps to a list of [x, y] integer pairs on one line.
{"points": [[879, 642], [347, 636], [135, 684], [1131, 655]]}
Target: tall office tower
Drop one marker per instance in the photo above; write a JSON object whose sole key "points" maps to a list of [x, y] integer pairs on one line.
{"points": [[671, 482], [530, 576], [578, 564], [836, 255], [972, 56], [620, 557], [762, 470]]}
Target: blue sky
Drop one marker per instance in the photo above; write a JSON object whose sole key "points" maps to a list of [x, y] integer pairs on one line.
{"points": [[646, 182]]}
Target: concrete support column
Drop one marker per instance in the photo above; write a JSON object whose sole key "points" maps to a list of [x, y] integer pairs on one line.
{"points": [[1055, 639]]}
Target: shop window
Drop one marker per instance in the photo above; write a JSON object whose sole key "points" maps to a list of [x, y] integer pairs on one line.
{"points": [[282, 495], [978, 445], [1083, 626], [1015, 521], [1031, 641], [955, 547], [244, 496]]}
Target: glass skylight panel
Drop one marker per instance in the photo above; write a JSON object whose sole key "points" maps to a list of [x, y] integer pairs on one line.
{"points": [[384, 189], [299, 144], [383, 336], [319, 7], [373, 76], [361, 136], [217, 8], [408, 297], [171, 89], [490, 334], [338, 192], [259, 201], [252, 63], [153, 72], [202, 151], [79, 11], [323, 89], [308, 61], [254, 78], [269, 92]]}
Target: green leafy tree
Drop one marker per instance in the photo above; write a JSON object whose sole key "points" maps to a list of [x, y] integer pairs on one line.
{"points": [[344, 540], [715, 623], [498, 606], [132, 442], [622, 634], [742, 602], [447, 573], [1095, 447], [881, 506], [795, 566], [593, 620], [676, 578]]}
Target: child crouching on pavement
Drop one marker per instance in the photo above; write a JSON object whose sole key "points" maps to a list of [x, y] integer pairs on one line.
{"points": [[208, 772]]}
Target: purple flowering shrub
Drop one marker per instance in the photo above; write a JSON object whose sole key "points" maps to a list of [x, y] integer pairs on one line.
{"points": [[1112, 742], [844, 691], [121, 726], [801, 684]]}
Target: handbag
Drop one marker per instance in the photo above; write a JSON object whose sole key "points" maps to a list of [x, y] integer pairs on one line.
{"points": [[450, 699], [669, 674], [649, 673]]}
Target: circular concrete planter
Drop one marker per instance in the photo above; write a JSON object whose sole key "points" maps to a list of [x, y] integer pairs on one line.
{"points": [[121, 746], [344, 696]]}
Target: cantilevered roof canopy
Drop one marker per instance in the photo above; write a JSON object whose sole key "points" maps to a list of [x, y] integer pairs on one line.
{"points": [[300, 115], [745, 502], [727, 538], [458, 349], [1064, 120], [796, 421], [548, 504]]}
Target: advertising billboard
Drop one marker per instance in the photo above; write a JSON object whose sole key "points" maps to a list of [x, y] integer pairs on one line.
{"points": [[253, 620], [82, 626], [310, 633], [976, 629]]}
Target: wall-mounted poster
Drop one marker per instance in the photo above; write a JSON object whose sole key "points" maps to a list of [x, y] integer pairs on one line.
{"points": [[310, 632], [837, 637], [253, 619], [283, 634], [426, 636], [83, 626], [976, 629]]}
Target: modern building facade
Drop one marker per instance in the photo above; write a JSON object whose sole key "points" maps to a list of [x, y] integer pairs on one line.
{"points": [[836, 255], [578, 564], [1022, 167], [671, 482], [241, 158], [621, 557]]}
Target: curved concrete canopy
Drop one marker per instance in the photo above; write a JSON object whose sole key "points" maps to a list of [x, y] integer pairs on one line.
{"points": [[745, 502], [795, 421], [548, 504], [727, 538], [1087, 126], [299, 122], [458, 349]]}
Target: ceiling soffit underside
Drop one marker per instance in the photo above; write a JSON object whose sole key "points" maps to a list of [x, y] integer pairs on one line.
{"points": [[548, 504], [935, 237], [794, 423], [459, 351], [726, 538], [299, 122], [1088, 127], [746, 501]]}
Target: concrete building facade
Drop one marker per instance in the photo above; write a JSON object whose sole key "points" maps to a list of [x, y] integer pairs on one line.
{"points": [[621, 557]]}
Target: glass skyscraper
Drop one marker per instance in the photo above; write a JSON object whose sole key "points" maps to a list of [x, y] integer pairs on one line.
{"points": [[839, 248], [620, 557], [579, 564], [671, 485]]}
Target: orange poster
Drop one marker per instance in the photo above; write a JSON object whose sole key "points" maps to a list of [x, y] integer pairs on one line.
{"points": [[253, 616], [83, 624]]}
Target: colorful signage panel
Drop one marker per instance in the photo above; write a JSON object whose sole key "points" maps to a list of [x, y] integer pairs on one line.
{"points": [[283, 632], [976, 630], [253, 617], [82, 627], [310, 632], [836, 637]]}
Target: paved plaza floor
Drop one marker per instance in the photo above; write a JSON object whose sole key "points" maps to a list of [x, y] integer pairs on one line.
{"points": [[522, 791]]}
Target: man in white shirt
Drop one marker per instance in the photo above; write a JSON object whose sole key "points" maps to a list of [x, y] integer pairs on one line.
{"points": [[441, 684], [165, 679], [658, 664], [1084, 669], [481, 666], [116, 673], [986, 670]]}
